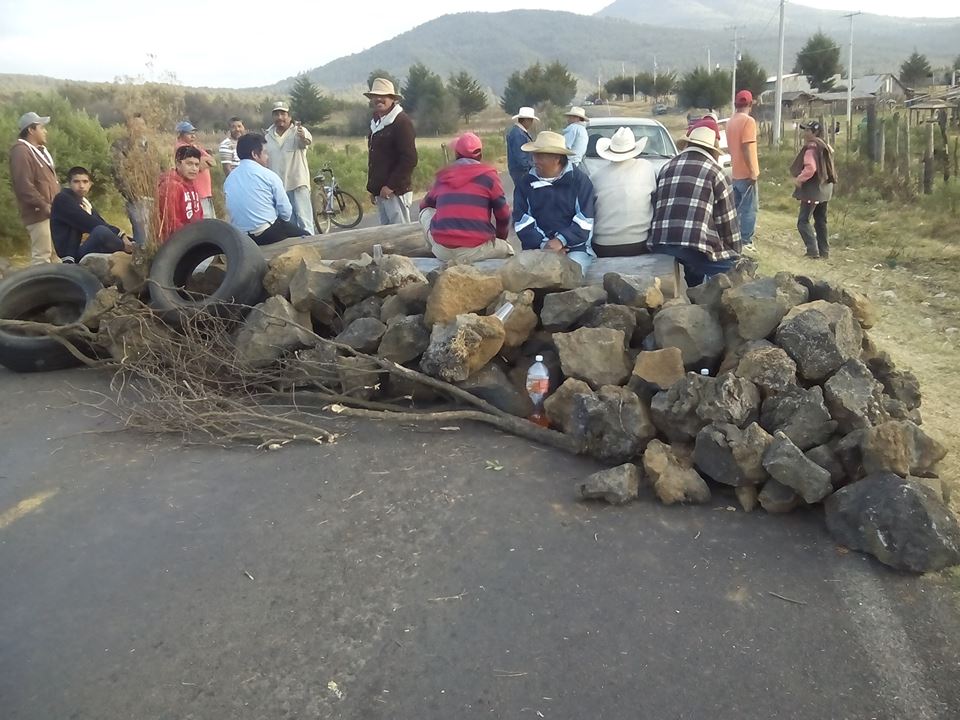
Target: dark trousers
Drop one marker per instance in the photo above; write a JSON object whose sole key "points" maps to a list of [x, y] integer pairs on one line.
{"points": [[697, 267], [100, 240], [280, 230], [815, 240]]}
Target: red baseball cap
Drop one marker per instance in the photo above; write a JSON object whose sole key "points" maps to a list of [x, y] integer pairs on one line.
{"points": [[743, 98], [468, 145], [707, 122]]}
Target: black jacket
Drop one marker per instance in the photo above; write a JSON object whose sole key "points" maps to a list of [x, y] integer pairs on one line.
{"points": [[392, 157], [69, 222]]}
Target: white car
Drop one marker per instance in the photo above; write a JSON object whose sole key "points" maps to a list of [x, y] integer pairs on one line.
{"points": [[724, 160], [660, 146]]}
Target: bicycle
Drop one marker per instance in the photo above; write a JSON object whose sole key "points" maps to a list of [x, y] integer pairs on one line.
{"points": [[338, 207]]}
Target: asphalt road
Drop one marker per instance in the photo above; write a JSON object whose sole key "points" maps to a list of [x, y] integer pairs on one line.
{"points": [[395, 575]]}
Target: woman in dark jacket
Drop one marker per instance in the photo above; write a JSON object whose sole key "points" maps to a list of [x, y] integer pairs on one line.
{"points": [[814, 176]]}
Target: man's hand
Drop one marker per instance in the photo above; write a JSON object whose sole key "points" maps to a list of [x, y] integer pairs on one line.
{"points": [[386, 193], [554, 245]]}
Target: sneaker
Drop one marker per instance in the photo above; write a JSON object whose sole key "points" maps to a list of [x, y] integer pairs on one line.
{"points": [[811, 257]]}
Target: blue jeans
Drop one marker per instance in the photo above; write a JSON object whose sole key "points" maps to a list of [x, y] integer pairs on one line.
{"points": [[302, 215], [697, 267], [747, 200], [100, 240]]}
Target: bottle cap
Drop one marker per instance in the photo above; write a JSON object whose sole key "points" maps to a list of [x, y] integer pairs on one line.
{"points": [[705, 371], [538, 358], [503, 312]]}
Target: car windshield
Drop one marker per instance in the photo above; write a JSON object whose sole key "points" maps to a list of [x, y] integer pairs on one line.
{"points": [[658, 142]]}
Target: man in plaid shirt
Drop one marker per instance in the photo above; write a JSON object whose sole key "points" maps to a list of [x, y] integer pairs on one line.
{"points": [[695, 217]]}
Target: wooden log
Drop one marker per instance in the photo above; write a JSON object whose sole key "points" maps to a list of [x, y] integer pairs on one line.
{"points": [[404, 239], [882, 149]]}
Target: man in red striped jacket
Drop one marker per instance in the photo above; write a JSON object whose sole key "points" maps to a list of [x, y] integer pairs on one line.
{"points": [[455, 213]]}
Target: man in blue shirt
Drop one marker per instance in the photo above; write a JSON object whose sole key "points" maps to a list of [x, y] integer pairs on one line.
{"points": [[575, 134], [519, 162], [256, 200]]}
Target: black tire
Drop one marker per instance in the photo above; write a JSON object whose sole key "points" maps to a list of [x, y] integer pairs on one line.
{"points": [[63, 291], [347, 212], [188, 247]]}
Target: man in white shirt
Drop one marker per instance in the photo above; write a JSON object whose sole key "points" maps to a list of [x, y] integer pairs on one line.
{"points": [[624, 191], [575, 134], [228, 146], [287, 144]]}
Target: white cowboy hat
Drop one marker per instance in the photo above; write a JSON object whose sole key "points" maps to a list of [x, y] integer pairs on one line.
{"points": [[622, 146], [576, 111], [525, 113], [382, 86], [547, 142], [702, 137]]}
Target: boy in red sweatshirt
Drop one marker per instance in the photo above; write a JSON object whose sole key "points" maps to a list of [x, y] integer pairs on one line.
{"points": [[455, 213], [178, 202]]}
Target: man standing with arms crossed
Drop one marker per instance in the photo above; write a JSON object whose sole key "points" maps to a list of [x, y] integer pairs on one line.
{"points": [[35, 185], [745, 167], [287, 144], [392, 154]]}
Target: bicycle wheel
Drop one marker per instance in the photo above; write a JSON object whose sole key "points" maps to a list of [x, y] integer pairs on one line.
{"points": [[347, 212], [320, 216]]}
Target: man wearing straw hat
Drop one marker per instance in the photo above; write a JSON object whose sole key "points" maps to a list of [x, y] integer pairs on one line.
{"points": [[575, 134], [392, 154], [625, 189], [695, 217], [553, 203], [519, 163]]}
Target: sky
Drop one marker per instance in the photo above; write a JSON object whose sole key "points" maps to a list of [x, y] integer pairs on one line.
{"points": [[202, 43]]}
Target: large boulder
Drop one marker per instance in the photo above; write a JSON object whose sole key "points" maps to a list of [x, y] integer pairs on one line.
{"points": [[800, 414], [536, 269], [405, 339], [758, 306], [458, 290], [491, 383], [347, 288], [521, 321], [854, 397], [99, 265], [595, 355], [732, 456], [458, 349], [775, 497], [820, 337], [656, 370], [311, 290], [633, 291], [369, 308], [768, 367], [613, 425], [363, 334], [130, 270], [615, 317], [694, 330], [900, 385], [900, 447], [559, 405], [672, 480], [561, 310], [273, 328], [863, 309], [787, 464], [674, 411], [729, 399], [408, 300], [902, 523], [617, 485], [388, 274], [826, 457], [282, 268]]}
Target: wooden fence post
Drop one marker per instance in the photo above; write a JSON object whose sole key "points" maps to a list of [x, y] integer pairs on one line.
{"points": [[882, 149], [906, 150], [928, 162]]}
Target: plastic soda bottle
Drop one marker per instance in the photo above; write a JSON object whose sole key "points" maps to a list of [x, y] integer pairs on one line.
{"points": [[377, 252], [503, 312], [538, 385]]}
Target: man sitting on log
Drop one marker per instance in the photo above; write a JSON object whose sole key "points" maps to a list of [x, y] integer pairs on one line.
{"points": [[455, 213], [255, 195], [72, 217]]}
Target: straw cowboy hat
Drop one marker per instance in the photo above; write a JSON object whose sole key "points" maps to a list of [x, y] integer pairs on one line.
{"points": [[547, 142], [382, 86], [701, 137], [526, 113], [622, 146], [576, 111]]}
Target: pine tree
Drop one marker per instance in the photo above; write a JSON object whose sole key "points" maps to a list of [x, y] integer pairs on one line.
{"points": [[819, 60], [469, 95], [306, 103], [915, 69]]}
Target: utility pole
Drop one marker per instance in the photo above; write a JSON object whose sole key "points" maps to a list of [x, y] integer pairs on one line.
{"points": [[850, 77], [733, 81], [709, 64], [654, 68], [778, 110]]}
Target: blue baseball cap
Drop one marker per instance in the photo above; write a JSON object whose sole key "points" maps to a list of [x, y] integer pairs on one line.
{"points": [[185, 126]]}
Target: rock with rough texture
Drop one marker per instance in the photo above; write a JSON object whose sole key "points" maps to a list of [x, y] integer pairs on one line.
{"points": [[825, 457], [800, 414], [758, 306], [369, 308], [729, 399], [99, 265], [748, 496], [787, 464], [900, 385], [107, 302], [769, 368], [820, 337], [854, 397], [897, 410], [405, 339], [363, 334], [674, 411], [460, 289], [311, 290], [778, 498], [270, 330], [900, 522], [657, 370], [694, 330], [617, 485], [848, 452], [900, 447], [561, 310], [388, 274], [129, 337], [130, 271], [559, 405], [644, 326], [633, 291], [614, 425], [709, 293], [347, 288], [282, 268], [359, 377], [458, 349], [615, 317], [491, 383], [673, 481], [536, 269], [317, 365], [732, 456], [595, 355], [521, 321], [863, 308]]}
